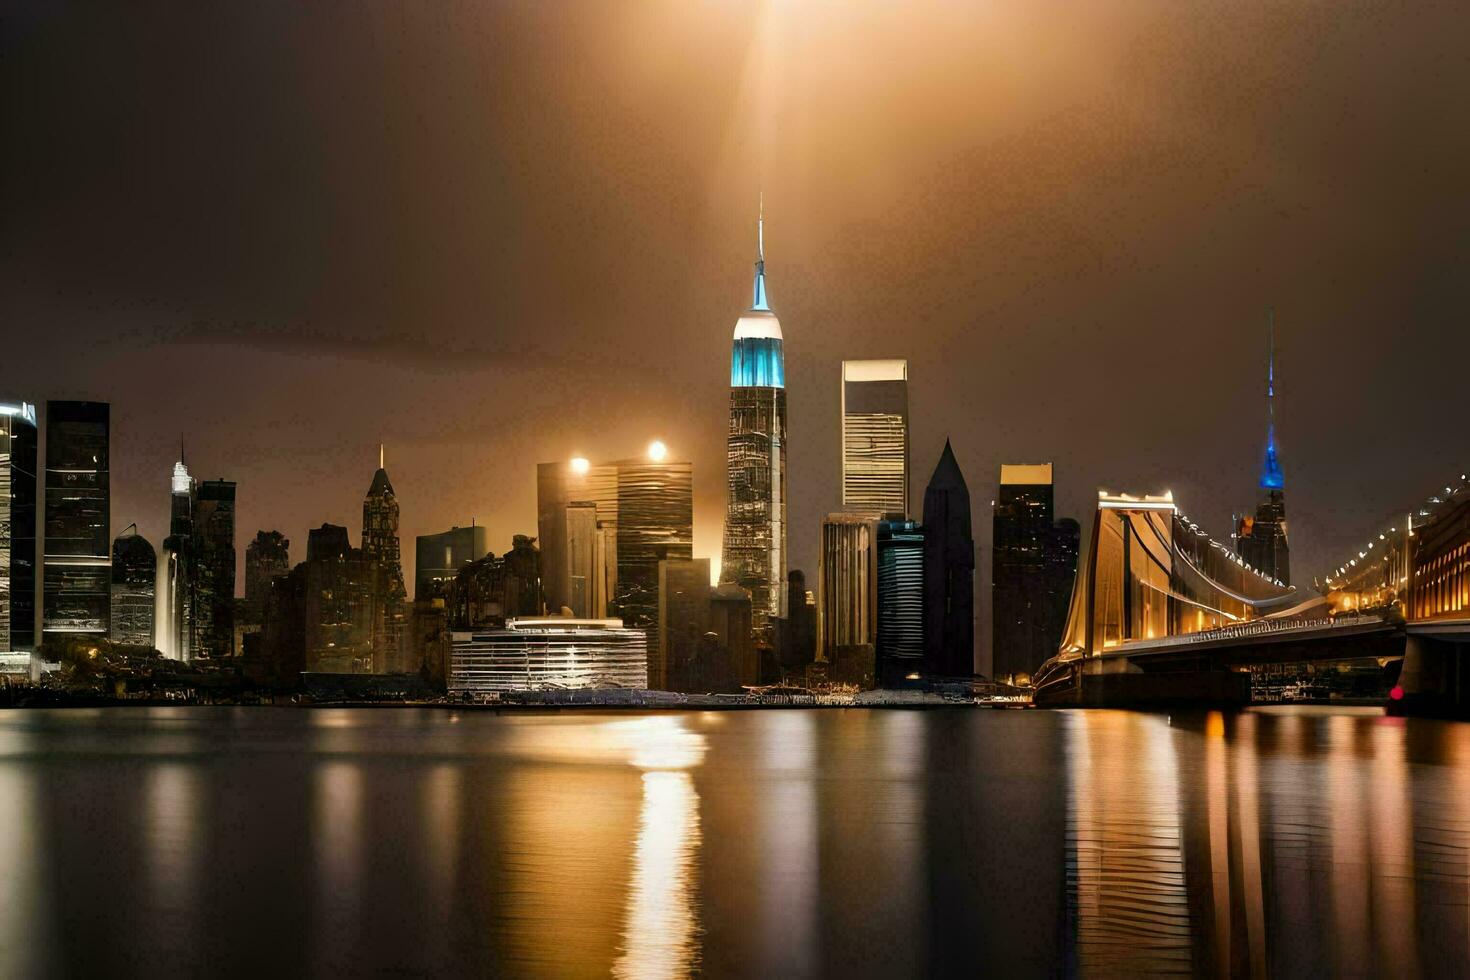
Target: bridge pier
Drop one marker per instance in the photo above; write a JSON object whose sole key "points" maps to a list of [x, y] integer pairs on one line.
{"points": [[1435, 681]]}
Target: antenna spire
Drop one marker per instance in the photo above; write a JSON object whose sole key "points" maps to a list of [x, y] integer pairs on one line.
{"points": [[380, 455], [759, 300]]}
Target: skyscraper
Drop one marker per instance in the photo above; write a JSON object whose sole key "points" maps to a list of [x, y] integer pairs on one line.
{"points": [[134, 581], [1033, 564], [173, 621], [212, 570], [606, 527], [683, 620], [847, 595], [949, 572], [875, 436], [77, 575], [380, 546], [1261, 539], [900, 642], [439, 557], [18, 492], [755, 520], [266, 558], [340, 604]]}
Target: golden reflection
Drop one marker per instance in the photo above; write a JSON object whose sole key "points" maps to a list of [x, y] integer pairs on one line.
{"points": [[1217, 788], [788, 845], [1124, 845], [1247, 791], [584, 896], [1392, 847], [1350, 879], [659, 939], [442, 813]]}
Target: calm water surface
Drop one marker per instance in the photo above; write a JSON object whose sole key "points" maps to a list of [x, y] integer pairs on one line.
{"points": [[174, 842]]}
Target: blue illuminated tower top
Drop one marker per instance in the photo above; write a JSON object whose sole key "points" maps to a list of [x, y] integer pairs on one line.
{"points": [[756, 360], [1272, 478]]}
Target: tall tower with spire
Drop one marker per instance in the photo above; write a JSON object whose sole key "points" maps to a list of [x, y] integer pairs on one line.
{"points": [[1261, 538], [380, 547], [755, 519]]}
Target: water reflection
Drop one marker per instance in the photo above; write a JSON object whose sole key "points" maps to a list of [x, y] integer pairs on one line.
{"points": [[778, 843]]}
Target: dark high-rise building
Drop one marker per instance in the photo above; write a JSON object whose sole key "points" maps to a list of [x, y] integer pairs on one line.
{"points": [[134, 583], [755, 520], [18, 494], [1033, 566], [683, 620], [439, 557], [173, 621], [1261, 539], [492, 590], [797, 644], [900, 646], [730, 622], [77, 571], [875, 436], [847, 594], [949, 573], [380, 546], [340, 605], [212, 570], [266, 558]]}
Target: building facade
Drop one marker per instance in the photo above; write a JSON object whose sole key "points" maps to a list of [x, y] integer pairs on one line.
{"points": [[134, 588], [847, 593], [173, 624], [340, 609], [18, 496], [77, 568], [267, 557], [949, 573], [875, 436], [1033, 564], [380, 546], [683, 621], [439, 557], [754, 555], [212, 570], [900, 635], [492, 590], [548, 654]]}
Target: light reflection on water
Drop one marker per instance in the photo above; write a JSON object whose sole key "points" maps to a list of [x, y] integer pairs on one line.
{"points": [[779, 843]]}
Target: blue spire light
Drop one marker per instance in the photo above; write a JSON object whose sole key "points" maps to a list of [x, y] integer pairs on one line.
{"points": [[1272, 477]]}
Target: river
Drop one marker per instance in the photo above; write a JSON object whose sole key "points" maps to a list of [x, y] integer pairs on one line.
{"points": [[771, 843]]}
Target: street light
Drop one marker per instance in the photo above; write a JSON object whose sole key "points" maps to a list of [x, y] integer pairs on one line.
{"points": [[580, 465], [657, 451]]}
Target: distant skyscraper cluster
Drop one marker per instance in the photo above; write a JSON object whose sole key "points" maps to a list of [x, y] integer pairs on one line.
{"points": [[607, 593]]}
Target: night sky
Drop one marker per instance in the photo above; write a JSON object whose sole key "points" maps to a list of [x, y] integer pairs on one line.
{"points": [[492, 234]]}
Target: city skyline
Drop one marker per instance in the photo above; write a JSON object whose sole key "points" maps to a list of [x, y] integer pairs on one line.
{"points": [[1018, 238]]}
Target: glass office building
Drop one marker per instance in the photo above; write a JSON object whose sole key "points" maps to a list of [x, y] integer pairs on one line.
{"points": [[134, 584], [18, 491], [875, 436], [77, 575]]}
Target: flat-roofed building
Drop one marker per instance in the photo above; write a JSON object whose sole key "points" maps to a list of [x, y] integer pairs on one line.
{"points": [[549, 654], [875, 436]]}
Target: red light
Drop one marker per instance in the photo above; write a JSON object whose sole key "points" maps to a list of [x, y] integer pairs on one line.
{"points": [[1397, 693]]}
